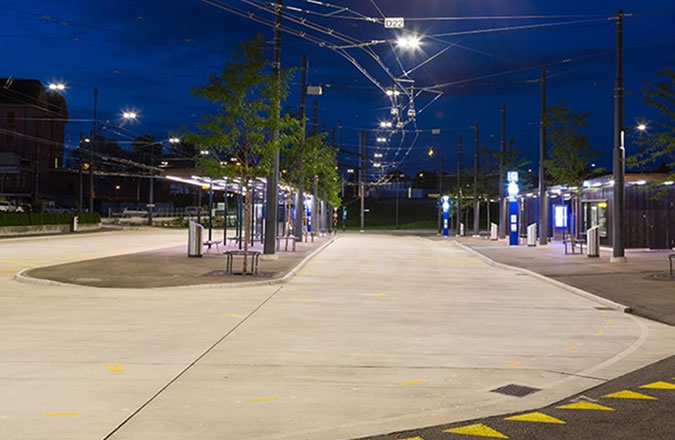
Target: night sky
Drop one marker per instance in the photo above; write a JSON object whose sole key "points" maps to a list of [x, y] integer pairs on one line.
{"points": [[146, 55]]}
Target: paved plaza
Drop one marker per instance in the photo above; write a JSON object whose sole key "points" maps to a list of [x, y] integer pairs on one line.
{"points": [[375, 334]]}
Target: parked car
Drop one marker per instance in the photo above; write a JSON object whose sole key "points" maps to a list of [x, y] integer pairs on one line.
{"points": [[8, 206], [5, 206], [53, 208]]}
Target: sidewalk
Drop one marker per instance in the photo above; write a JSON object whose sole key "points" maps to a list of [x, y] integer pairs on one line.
{"points": [[171, 267], [626, 283]]}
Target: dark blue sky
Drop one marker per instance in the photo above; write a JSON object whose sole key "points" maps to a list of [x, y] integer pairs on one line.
{"points": [[146, 55]]}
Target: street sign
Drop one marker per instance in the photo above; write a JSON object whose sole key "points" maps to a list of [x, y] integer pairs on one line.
{"points": [[394, 23]]}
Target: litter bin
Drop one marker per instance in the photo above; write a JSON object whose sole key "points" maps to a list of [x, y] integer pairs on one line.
{"points": [[494, 232], [195, 231], [593, 237], [532, 235]]}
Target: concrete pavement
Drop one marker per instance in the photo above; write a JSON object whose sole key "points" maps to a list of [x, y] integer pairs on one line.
{"points": [[640, 283], [376, 334]]}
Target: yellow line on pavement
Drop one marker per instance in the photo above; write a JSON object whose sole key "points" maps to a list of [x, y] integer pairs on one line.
{"points": [[586, 406], [659, 386], [233, 315], [627, 394], [263, 399], [513, 364], [536, 417], [572, 347], [413, 382], [601, 333], [477, 430], [59, 414], [115, 368]]}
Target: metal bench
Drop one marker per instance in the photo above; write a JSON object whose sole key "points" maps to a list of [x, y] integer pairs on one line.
{"points": [[212, 243], [573, 242], [253, 267]]}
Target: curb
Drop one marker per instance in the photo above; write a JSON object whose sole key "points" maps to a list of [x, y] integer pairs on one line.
{"points": [[595, 298], [21, 277]]}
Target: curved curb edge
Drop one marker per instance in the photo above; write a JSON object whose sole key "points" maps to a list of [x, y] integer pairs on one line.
{"points": [[595, 298], [21, 277]]}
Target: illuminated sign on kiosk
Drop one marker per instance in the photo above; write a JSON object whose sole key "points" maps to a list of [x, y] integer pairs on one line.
{"points": [[513, 190]]}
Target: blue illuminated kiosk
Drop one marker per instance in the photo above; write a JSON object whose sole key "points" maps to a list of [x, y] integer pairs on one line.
{"points": [[445, 204], [513, 191]]}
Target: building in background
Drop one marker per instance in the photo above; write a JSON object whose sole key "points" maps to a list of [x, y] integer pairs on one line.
{"points": [[32, 134]]}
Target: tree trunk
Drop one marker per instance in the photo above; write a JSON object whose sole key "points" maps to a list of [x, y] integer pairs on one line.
{"points": [[247, 222]]}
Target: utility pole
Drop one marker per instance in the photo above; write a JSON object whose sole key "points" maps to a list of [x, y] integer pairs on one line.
{"points": [[440, 195], [476, 203], [273, 179], [619, 162], [92, 146], [151, 204], [300, 201], [316, 222], [363, 145], [398, 189], [543, 197], [502, 186], [459, 186]]}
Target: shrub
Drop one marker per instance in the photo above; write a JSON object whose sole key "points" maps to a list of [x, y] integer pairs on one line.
{"points": [[46, 218]]}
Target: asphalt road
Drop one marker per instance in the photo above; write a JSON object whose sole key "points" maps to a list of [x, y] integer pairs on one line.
{"points": [[637, 406]]}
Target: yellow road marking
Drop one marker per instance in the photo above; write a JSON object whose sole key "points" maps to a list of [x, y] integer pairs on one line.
{"points": [[413, 438], [233, 315], [587, 406], [513, 364], [263, 399], [572, 347], [601, 333], [536, 417], [626, 394], [58, 414], [609, 321], [659, 386], [413, 382], [115, 368], [379, 294], [478, 430]]}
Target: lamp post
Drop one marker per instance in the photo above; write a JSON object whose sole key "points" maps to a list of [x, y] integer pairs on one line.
{"points": [[619, 153]]}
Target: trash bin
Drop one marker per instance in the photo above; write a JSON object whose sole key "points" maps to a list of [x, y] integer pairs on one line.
{"points": [[494, 231], [195, 231], [593, 237], [532, 235], [461, 229]]}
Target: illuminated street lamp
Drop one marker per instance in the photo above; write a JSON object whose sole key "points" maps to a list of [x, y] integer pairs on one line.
{"points": [[641, 127], [409, 42], [430, 153], [382, 139], [174, 140], [385, 124], [393, 92], [57, 86], [129, 115]]}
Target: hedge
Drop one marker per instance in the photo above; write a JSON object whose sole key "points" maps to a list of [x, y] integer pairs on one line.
{"points": [[52, 218]]}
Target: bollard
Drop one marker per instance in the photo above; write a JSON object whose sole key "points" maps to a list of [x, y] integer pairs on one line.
{"points": [[494, 231], [532, 235], [76, 222], [593, 237]]}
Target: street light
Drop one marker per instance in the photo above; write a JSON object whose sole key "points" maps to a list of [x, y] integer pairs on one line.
{"points": [[57, 86], [129, 115], [409, 42], [393, 92], [382, 139], [174, 140], [431, 152], [385, 124]]}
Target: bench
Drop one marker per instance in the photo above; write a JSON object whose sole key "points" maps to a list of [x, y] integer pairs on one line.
{"points": [[212, 243], [282, 240], [573, 242], [253, 267]]}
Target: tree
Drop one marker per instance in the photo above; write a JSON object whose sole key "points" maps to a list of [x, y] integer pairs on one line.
{"points": [[660, 143], [317, 159], [570, 156], [238, 136]]}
